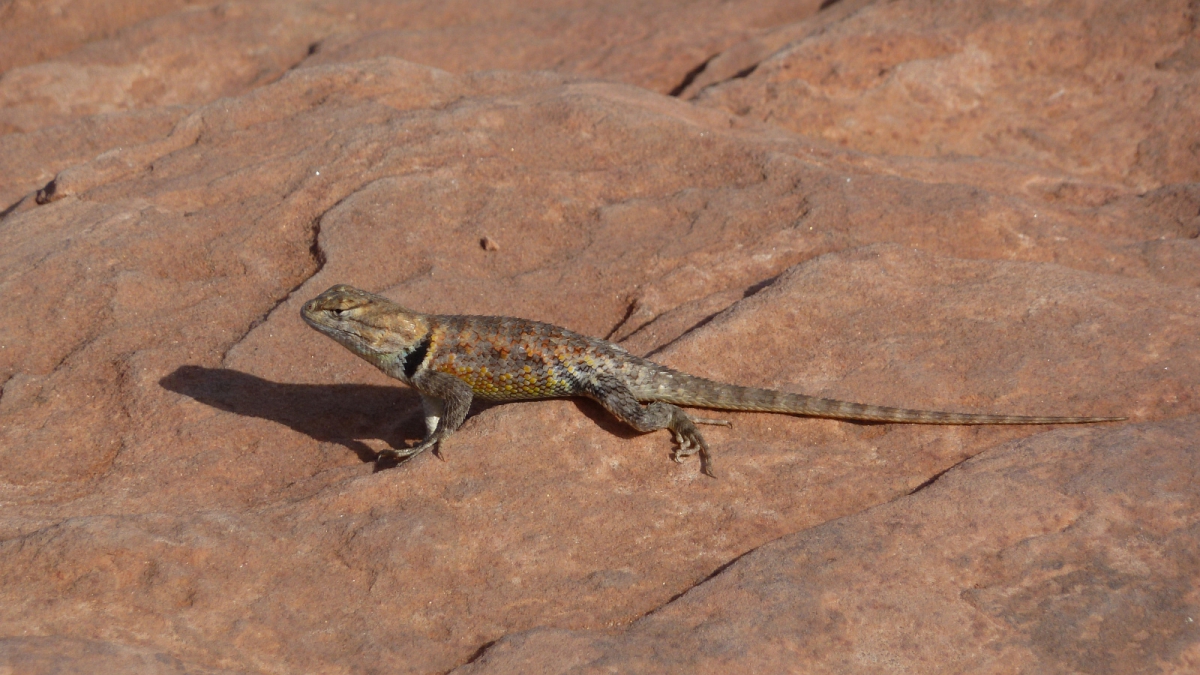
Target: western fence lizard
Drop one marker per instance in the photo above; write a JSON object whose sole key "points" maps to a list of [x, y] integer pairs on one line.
{"points": [[450, 360]]}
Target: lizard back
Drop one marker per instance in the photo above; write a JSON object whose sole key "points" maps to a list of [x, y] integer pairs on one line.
{"points": [[508, 359]]}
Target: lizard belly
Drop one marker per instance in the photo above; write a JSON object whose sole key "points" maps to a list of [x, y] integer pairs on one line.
{"points": [[518, 383], [502, 387]]}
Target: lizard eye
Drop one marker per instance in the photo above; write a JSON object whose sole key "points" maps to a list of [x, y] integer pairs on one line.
{"points": [[339, 312]]}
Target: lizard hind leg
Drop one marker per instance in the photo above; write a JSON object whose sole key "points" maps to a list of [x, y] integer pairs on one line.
{"points": [[617, 398]]}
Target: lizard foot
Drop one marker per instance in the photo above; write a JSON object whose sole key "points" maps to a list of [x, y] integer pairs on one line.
{"points": [[690, 443], [706, 420], [400, 454]]}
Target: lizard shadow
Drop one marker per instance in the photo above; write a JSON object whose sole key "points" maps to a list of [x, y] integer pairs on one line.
{"points": [[334, 413]]}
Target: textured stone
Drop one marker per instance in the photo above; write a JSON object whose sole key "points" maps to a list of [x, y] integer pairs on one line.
{"points": [[32, 31], [1106, 92], [66, 656], [1074, 551], [152, 53]]}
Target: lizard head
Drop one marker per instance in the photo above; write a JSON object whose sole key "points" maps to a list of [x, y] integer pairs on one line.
{"points": [[367, 324]]}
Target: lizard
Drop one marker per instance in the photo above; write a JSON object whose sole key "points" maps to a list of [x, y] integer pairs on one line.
{"points": [[452, 359]]}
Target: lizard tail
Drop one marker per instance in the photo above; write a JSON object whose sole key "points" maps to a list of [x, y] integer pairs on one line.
{"points": [[683, 389]]}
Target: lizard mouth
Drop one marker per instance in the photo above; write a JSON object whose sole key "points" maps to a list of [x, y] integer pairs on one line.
{"points": [[324, 321], [313, 316]]}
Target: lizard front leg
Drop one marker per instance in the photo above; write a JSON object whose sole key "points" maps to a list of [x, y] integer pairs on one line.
{"points": [[616, 397], [434, 409], [446, 401]]}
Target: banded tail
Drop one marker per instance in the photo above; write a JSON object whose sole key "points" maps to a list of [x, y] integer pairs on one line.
{"points": [[682, 389]]}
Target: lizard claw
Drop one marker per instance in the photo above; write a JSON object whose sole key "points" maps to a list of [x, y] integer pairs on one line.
{"points": [[690, 443], [400, 454]]}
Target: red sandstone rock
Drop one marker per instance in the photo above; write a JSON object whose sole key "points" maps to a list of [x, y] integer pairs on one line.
{"points": [[102, 57], [1105, 92], [1071, 552], [185, 467]]}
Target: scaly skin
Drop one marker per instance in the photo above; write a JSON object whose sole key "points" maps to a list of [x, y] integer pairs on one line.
{"points": [[450, 360]]}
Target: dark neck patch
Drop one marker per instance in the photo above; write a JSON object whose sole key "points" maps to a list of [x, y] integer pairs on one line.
{"points": [[415, 357]]}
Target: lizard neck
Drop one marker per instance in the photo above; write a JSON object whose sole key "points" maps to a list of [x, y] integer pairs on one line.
{"points": [[415, 358], [402, 364]]}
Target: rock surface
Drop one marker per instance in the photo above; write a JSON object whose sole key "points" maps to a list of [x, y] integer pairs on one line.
{"points": [[869, 201], [1074, 551], [1106, 92]]}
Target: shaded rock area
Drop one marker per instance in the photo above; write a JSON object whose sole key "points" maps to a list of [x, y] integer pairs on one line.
{"points": [[980, 207]]}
